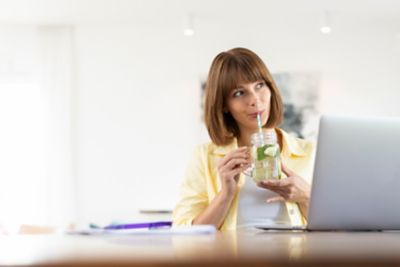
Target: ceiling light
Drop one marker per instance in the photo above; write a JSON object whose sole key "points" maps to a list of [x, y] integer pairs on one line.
{"points": [[188, 29], [325, 23]]}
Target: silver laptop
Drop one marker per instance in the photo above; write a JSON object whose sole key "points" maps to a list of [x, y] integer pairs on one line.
{"points": [[356, 182]]}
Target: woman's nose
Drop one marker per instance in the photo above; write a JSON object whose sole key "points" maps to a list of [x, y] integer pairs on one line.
{"points": [[254, 100]]}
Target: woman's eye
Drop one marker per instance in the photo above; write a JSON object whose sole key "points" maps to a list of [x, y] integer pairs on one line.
{"points": [[238, 93], [260, 85]]}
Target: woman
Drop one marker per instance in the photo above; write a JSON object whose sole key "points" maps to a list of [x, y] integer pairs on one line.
{"points": [[215, 190]]}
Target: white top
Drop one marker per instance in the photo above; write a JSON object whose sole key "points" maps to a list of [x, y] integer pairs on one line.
{"points": [[253, 209]]}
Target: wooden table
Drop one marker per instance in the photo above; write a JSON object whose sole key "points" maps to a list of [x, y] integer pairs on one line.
{"points": [[256, 248]]}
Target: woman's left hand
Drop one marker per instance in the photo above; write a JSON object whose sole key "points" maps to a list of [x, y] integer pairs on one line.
{"points": [[293, 188]]}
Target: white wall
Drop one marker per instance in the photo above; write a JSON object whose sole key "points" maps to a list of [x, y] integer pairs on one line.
{"points": [[138, 100]]}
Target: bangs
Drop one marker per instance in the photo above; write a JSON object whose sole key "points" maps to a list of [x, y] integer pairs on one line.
{"points": [[236, 71]]}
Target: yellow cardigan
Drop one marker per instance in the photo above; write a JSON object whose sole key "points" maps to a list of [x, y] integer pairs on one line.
{"points": [[201, 183]]}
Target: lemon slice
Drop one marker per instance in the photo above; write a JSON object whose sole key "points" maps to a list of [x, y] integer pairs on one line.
{"points": [[271, 151]]}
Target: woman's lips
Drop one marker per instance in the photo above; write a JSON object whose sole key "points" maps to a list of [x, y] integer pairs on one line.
{"points": [[254, 114]]}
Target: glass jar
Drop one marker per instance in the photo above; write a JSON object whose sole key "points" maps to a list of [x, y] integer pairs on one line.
{"points": [[265, 153]]}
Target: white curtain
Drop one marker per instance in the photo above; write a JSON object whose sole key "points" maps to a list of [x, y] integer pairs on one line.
{"points": [[36, 120]]}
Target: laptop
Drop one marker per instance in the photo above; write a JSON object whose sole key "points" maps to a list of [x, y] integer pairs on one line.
{"points": [[356, 181]]}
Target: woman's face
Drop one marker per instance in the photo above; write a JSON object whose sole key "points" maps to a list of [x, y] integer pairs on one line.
{"points": [[246, 101]]}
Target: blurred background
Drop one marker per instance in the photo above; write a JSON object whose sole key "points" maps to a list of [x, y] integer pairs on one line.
{"points": [[100, 100]]}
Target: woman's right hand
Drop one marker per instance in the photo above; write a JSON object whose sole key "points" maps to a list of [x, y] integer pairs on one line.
{"points": [[231, 166], [229, 169]]}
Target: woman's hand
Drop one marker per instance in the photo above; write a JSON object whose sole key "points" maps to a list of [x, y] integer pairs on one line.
{"points": [[293, 188], [231, 166], [229, 169]]}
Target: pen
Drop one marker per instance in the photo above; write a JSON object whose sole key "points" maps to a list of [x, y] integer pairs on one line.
{"points": [[149, 225]]}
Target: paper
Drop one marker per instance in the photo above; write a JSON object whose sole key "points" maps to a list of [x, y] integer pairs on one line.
{"points": [[175, 230]]}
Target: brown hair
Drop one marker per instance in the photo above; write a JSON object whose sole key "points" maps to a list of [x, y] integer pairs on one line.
{"points": [[228, 70]]}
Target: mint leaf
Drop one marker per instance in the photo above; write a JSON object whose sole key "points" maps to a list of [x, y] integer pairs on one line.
{"points": [[260, 152]]}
